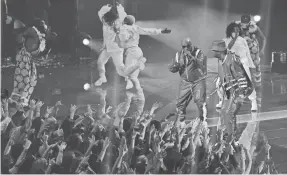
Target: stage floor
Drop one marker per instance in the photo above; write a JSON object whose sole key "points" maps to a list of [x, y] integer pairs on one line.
{"points": [[159, 86]]}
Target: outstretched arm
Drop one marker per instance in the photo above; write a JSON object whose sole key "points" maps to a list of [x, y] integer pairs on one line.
{"points": [[148, 31], [103, 11], [262, 37]]}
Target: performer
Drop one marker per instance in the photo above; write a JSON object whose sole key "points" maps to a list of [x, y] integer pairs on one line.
{"points": [[189, 62], [25, 78], [235, 83], [238, 45], [128, 38], [251, 32], [111, 22]]}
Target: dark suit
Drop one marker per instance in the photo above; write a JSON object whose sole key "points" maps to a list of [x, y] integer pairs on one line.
{"points": [[191, 69]]}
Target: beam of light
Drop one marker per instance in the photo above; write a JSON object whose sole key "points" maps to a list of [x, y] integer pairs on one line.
{"points": [[257, 18], [202, 25]]}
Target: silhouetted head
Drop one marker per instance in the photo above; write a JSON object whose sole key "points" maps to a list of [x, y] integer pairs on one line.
{"points": [[129, 20]]}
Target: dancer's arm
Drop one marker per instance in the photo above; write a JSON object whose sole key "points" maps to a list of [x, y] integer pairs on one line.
{"points": [[147, 31], [103, 11], [121, 12], [262, 37]]}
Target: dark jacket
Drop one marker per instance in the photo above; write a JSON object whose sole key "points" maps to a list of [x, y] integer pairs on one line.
{"points": [[190, 65], [234, 76]]}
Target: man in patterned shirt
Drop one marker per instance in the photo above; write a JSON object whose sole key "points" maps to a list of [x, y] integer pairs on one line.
{"points": [[251, 32]]}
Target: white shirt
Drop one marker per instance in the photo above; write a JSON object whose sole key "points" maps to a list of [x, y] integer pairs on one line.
{"points": [[109, 34], [241, 49], [130, 34]]}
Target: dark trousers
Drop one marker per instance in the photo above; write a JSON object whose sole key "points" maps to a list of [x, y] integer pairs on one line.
{"points": [[187, 91], [229, 111]]}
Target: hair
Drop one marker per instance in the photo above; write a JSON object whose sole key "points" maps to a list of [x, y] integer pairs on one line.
{"points": [[230, 29], [111, 16]]}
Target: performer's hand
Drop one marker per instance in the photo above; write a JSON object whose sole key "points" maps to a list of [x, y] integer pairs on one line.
{"points": [[166, 31], [109, 5]]}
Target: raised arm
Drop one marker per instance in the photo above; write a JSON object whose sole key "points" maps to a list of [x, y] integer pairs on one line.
{"points": [[103, 11], [121, 12]]}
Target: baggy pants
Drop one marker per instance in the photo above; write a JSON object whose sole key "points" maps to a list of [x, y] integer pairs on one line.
{"points": [[132, 57], [187, 91], [229, 110], [117, 60]]}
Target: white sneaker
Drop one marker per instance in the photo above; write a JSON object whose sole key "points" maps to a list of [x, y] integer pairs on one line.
{"points": [[100, 81], [219, 105], [254, 106], [129, 84]]}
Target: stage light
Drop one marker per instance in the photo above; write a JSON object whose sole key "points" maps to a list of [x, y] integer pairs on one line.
{"points": [[87, 86], [86, 41], [257, 18]]}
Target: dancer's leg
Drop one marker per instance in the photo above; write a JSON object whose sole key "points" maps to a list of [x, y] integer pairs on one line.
{"points": [[102, 61]]}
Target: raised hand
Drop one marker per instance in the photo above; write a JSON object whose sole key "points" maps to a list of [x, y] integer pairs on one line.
{"points": [[123, 146], [93, 140], [27, 144], [39, 104], [60, 132], [73, 108], [107, 142], [109, 109], [32, 104], [166, 31]]}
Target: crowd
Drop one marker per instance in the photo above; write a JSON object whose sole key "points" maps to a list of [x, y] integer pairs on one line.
{"points": [[110, 142]]}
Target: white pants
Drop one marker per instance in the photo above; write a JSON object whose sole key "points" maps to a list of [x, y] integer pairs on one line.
{"points": [[133, 55], [117, 59]]}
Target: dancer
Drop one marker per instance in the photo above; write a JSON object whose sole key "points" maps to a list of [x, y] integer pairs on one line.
{"points": [[128, 38], [235, 83], [251, 32], [111, 22], [25, 78], [189, 62], [238, 45]]}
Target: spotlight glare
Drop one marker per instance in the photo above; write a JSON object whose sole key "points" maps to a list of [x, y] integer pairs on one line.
{"points": [[87, 86], [257, 18], [86, 41]]}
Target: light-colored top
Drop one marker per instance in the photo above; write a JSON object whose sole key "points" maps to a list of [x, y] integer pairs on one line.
{"points": [[108, 31], [130, 34], [241, 49]]}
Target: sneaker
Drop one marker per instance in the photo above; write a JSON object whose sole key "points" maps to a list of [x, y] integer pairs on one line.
{"points": [[219, 105], [129, 84], [100, 81], [254, 106]]}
